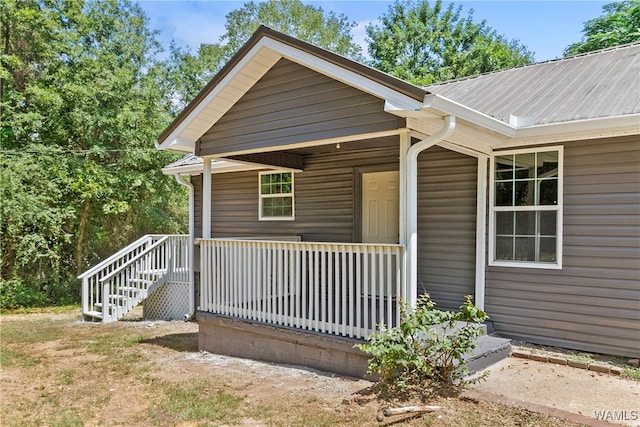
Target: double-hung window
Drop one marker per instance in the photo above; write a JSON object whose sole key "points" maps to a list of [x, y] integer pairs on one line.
{"points": [[276, 196], [526, 208]]}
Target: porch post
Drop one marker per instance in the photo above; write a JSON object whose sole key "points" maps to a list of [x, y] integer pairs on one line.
{"points": [[481, 230], [190, 244], [206, 198], [405, 143]]}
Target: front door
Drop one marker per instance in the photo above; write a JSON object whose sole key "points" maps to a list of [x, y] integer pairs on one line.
{"points": [[380, 207]]}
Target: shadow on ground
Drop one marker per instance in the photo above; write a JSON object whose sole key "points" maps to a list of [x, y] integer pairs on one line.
{"points": [[184, 342]]}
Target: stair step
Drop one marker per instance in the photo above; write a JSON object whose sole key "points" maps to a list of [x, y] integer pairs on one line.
{"points": [[143, 281], [129, 291], [93, 313], [490, 350], [153, 271]]}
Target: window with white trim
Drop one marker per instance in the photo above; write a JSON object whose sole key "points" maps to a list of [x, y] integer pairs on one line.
{"points": [[276, 196], [526, 208]]}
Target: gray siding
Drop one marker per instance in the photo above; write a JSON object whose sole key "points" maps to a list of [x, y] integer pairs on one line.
{"points": [[293, 104], [446, 226], [324, 198], [593, 303]]}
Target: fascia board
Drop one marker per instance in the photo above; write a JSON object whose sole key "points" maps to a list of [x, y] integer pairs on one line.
{"points": [[178, 144], [576, 130], [537, 134], [169, 142], [446, 106], [222, 166]]}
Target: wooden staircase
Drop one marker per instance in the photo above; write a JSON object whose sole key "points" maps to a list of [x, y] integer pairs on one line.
{"points": [[118, 284]]}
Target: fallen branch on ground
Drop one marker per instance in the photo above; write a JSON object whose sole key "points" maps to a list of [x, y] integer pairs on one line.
{"points": [[406, 410]]}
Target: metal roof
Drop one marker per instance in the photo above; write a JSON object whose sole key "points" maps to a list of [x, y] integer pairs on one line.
{"points": [[600, 84]]}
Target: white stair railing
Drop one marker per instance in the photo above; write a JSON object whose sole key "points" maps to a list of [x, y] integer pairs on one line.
{"points": [[116, 285]]}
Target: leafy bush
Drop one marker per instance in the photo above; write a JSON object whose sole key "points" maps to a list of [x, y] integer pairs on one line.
{"points": [[428, 346], [15, 294]]}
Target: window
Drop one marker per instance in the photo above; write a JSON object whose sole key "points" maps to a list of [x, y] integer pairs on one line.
{"points": [[276, 196], [526, 208]]}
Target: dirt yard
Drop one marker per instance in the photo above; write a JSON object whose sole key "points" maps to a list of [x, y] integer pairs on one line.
{"points": [[59, 371]]}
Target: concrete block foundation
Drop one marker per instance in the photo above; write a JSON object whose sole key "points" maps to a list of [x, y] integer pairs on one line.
{"points": [[254, 340]]}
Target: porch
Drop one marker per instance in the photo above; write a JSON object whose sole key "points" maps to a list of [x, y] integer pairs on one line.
{"points": [[342, 289], [306, 303]]}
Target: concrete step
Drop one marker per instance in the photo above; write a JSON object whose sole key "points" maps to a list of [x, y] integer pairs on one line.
{"points": [[490, 350]]}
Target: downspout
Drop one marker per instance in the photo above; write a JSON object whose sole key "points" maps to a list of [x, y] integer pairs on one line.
{"points": [[189, 185], [412, 204]]}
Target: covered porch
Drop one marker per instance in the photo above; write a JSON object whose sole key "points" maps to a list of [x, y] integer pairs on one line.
{"points": [[290, 141]]}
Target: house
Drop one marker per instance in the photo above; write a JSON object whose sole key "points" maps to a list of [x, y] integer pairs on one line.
{"points": [[323, 192]]}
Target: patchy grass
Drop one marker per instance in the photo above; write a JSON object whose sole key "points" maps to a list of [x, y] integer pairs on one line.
{"points": [[632, 373], [198, 400], [58, 371], [58, 309], [10, 357]]}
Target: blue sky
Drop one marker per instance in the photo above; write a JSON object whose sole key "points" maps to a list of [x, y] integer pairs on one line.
{"points": [[545, 27]]}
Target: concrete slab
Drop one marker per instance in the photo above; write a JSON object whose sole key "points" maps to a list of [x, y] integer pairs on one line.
{"points": [[598, 397]]}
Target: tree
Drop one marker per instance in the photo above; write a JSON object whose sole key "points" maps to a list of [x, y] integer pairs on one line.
{"points": [[81, 107], [185, 73], [424, 44], [292, 17], [620, 24]]}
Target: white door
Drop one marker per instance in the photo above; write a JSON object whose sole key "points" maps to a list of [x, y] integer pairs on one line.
{"points": [[380, 207]]}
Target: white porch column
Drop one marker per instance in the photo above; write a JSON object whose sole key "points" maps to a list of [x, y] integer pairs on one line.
{"points": [[206, 198], [189, 185], [412, 204], [405, 143], [481, 230]]}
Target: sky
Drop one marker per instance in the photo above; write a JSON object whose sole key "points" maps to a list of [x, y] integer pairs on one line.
{"points": [[546, 27]]}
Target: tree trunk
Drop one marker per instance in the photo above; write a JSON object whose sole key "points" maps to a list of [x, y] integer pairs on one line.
{"points": [[84, 215]]}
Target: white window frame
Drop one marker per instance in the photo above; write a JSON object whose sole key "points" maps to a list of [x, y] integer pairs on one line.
{"points": [[493, 209], [262, 197]]}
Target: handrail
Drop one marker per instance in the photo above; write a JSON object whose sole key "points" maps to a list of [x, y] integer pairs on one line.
{"points": [[117, 255], [300, 243], [134, 259]]}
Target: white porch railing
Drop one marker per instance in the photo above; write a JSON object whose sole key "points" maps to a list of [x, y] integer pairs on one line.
{"points": [[343, 289], [119, 283]]}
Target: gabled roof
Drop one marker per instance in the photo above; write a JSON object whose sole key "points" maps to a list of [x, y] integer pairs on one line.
{"points": [[595, 85], [588, 96], [254, 59]]}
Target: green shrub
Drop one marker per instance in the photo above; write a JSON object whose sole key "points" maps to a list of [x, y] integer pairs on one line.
{"points": [[15, 294], [428, 346]]}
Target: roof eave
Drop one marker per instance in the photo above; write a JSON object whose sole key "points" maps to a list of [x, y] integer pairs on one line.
{"points": [[593, 128], [445, 106], [278, 45]]}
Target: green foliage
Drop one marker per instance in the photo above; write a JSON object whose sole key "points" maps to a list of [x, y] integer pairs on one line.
{"points": [[425, 44], [292, 17], [428, 346], [79, 176], [632, 373], [14, 294], [185, 73], [620, 24]]}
